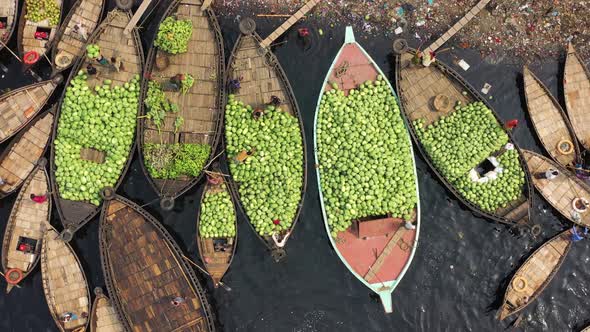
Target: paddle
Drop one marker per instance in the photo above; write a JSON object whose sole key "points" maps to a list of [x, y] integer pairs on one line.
{"points": [[226, 287]]}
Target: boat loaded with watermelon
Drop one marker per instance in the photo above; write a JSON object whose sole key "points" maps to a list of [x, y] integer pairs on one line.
{"points": [[93, 137], [366, 172], [463, 140]]}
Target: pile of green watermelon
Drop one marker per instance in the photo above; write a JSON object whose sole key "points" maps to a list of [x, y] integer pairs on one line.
{"points": [[217, 218], [104, 120], [270, 180], [458, 142], [364, 153]]}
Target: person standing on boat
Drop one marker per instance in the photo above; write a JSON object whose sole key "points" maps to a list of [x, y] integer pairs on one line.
{"points": [[80, 30], [91, 70], [174, 83], [275, 101], [234, 85], [550, 174], [511, 124], [2, 182], [428, 58], [39, 198], [177, 301]]}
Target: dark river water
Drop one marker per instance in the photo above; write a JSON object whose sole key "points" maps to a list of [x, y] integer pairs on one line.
{"points": [[461, 267]]}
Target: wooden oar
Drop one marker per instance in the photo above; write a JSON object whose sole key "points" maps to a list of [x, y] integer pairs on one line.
{"points": [[11, 52], [222, 284]]}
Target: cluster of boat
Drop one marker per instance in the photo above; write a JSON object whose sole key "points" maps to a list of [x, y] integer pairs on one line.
{"points": [[147, 275]]}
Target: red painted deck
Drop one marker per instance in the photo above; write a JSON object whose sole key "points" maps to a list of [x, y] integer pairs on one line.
{"points": [[362, 253], [360, 69]]}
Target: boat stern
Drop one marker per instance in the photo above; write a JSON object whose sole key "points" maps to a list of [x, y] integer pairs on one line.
{"points": [[504, 312], [386, 300], [9, 288]]}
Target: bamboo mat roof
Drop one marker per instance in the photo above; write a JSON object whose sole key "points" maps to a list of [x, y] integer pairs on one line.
{"points": [[145, 271], [23, 153], [561, 191], [576, 86], [64, 282], [18, 107], [69, 45], [549, 119], [28, 220], [535, 274], [104, 317]]}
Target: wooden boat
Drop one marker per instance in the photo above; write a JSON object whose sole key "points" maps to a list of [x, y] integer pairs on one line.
{"points": [[145, 272], [26, 225], [262, 77], [372, 248], [216, 253], [576, 88], [18, 107], [64, 283], [418, 87], [104, 317], [535, 274], [200, 107], [32, 48], [8, 11], [561, 191], [69, 43], [19, 158], [75, 214], [550, 121]]}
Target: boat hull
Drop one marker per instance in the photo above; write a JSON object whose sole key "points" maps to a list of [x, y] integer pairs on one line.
{"points": [[379, 262]]}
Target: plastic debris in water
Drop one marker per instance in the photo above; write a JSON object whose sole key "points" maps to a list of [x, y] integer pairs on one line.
{"points": [[321, 32], [398, 30], [463, 64], [486, 88]]}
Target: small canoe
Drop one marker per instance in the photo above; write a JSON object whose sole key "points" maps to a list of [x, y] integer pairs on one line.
{"points": [[19, 158], [199, 108], [105, 154], [561, 191], [8, 11], [76, 28], [430, 94], [261, 78], [217, 208], [550, 121], [26, 225], [535, 274], [576, 88], [36, 38], [145, 272], [18, 107], [104, 317], [375, 247], [64, 284]]}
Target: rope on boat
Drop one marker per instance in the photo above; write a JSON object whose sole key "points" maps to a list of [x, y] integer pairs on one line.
{"points": [[342, 69], [222, 284]]}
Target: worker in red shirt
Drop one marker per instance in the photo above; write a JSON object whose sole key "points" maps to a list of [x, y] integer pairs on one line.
{"points": [[39, 199]]}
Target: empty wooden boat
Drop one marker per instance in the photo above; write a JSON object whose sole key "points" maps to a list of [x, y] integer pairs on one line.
{"points": [[25, 228], [149, 282], [98, 156], [8, 11], [550, 121], [262, 84], [217, 226], [75, 30], [35, 38], [64, 284], [104, 317], [197, 123], [535, 274], [21, 155], [429, 95], [566, 193], [18, 107], [375, 246], [576, 88]]}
